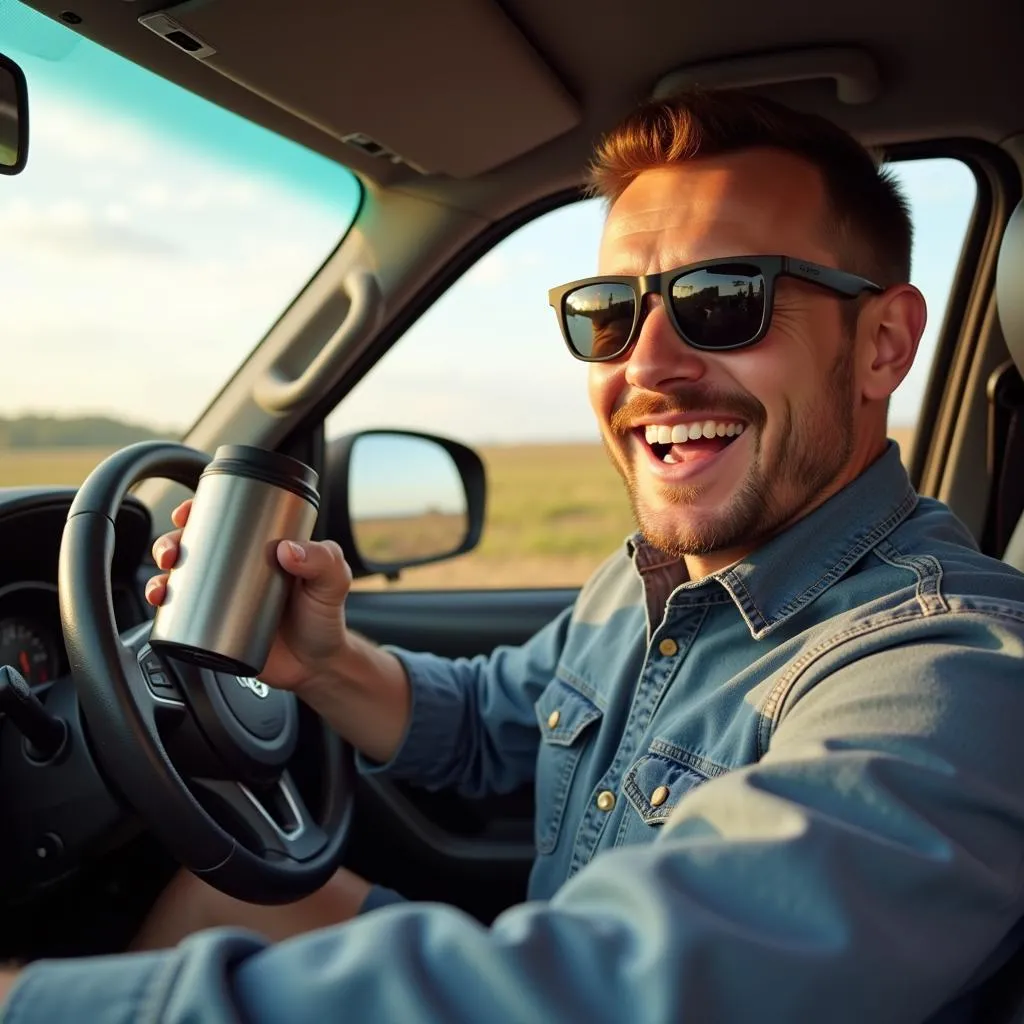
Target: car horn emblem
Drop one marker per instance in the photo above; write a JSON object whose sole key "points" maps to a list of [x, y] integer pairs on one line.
{"points": [[254, 685]]}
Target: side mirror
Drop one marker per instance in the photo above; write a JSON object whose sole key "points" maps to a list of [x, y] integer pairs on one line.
{"points": [[399, 499], [13, 117]]}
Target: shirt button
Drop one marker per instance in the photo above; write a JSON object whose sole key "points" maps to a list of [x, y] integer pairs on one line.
{"points": [[668, 647], [554, 718], [659, 796], [605, 800]]}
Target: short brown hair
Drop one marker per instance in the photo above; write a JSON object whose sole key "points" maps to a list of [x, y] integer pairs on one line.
{"points": [[869, 215]]}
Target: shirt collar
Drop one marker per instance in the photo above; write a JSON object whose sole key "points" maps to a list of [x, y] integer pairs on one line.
{"points": [[787, 573]]}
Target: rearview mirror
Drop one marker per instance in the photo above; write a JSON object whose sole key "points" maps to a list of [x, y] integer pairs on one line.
{"points": [[13, 117], [400, 499]]}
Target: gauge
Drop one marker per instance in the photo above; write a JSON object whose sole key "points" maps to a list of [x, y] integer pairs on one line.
{"points": [[26, 648]]}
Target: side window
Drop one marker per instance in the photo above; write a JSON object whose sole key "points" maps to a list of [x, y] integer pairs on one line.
{"points": [[486, 365], [942, 192]]}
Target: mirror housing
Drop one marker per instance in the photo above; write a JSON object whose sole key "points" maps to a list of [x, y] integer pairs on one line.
{"points": [[13, 117], [398, 499]]}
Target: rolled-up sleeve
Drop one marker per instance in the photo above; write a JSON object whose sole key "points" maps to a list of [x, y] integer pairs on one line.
{"points": [[472, 724], [865, 869]]}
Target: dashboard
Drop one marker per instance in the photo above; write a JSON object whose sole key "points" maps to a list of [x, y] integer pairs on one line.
{"points": [[31, 526], [28, 641]]}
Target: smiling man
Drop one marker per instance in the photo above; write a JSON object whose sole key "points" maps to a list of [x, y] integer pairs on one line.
{"points": [[778, 398], [775, 740]]}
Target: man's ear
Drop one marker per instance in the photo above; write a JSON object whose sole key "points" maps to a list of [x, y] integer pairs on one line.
{"points": [[889, 330]]}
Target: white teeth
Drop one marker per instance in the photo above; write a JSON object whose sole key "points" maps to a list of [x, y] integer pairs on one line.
{"points": [[680, 433], [670, 459]]}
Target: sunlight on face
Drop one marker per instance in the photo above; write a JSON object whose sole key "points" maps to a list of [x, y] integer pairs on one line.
{"points": [[793, 392]]}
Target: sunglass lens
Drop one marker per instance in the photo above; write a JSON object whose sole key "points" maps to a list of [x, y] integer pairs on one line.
{"points": [[719, 307], [598, 319]]}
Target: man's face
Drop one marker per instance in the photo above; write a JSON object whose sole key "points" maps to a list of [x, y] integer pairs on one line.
{"points": [[794, 393]]}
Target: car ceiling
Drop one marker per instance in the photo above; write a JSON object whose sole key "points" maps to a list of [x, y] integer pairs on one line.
{"points": [[473, 89]]}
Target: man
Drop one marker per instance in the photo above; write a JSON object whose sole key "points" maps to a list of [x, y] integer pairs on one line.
{"points": [[776, 739]]}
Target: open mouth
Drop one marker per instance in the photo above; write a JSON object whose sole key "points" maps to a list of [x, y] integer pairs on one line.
{"points": [[692, 440]]}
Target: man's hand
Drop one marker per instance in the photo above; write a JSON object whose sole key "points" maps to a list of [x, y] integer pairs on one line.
{"points": [[312, 631], [360, 690]]}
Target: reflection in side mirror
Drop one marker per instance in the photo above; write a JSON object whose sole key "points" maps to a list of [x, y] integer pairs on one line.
{"points": [[407, 501], [13, 117]]}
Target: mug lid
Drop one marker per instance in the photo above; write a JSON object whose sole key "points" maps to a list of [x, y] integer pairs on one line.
{"points": [[270, 467]]}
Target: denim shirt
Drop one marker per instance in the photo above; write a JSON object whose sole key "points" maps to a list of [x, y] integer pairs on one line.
{"points": [[792, 790]]}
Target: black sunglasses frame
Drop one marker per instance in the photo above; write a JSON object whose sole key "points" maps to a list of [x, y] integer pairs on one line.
{"points": [[771, 268]]}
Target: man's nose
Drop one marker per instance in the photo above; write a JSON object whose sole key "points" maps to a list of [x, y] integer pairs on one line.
{"points": [[660, 356]]}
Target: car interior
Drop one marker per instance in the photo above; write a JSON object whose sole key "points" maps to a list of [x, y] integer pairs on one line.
{"points": [[463, 121]]}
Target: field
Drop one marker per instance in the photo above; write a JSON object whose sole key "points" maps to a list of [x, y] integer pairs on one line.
{"points": [[391, 539], [554, 512]]}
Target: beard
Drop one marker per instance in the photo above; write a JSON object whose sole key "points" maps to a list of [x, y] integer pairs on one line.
{"points": [[814, 445]]}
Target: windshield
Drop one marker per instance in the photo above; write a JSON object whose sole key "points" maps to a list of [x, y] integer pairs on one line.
{"points": [[151, 242]]}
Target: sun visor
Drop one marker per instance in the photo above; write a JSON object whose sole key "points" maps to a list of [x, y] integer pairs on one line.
{"points": [[368, 71], [852, 69]]}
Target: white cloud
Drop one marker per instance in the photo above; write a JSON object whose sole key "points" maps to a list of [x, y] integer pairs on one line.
{"points": [[117, 213], [156, 196], [81, 137]]}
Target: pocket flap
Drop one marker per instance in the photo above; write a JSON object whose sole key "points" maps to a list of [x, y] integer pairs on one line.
{"points": [[563, 713], [656, 783]]}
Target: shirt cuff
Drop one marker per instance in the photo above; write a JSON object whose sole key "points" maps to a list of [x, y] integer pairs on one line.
{"points": [[432, 710], [127, 988]]}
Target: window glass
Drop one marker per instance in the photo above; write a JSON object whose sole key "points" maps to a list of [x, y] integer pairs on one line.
{"points": [[148, 246], [486, 365]]}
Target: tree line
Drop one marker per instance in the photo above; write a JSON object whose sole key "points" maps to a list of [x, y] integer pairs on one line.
{"points": [[74, 432]]}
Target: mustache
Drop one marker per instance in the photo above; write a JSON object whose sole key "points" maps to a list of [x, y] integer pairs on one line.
{"points": [[681, 401]]}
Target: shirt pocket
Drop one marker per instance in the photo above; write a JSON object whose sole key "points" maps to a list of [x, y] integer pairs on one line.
{"points": [[654, 785], [566, 718]]}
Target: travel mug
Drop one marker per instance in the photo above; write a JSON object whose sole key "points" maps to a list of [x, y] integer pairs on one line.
{"points": [[227, 591]]}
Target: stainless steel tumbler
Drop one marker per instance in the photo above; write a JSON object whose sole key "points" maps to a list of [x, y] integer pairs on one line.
{"points": [[226, 593]]}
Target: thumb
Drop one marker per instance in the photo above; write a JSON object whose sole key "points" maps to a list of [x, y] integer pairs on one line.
{"points": [[320, 565]]}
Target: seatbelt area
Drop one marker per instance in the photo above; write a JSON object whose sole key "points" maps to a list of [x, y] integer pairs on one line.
{"points": [[1005, 457]]}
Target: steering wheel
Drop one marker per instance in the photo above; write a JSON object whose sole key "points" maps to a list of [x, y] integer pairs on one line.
{"points": [[201, 756]]}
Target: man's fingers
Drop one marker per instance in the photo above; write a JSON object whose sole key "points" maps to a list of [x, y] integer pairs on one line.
{"points": [[180, 515], [320, 565], [156, 589], [165, 549]]}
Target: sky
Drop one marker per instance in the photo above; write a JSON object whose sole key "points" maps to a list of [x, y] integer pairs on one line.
{"points": [[154, 239], [428, 482]]}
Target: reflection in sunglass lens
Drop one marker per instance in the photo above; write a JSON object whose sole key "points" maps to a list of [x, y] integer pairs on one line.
{"points": [[721, 306], [598, 318]]}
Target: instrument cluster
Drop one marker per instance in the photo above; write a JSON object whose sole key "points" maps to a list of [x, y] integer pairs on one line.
{"points": [[30, 632]]}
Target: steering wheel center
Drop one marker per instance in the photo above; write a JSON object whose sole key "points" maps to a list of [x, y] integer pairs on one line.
{"points": [[260, 710]]}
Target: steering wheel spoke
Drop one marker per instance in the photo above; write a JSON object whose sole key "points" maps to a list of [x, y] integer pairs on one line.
{"points": [[154, 685], [275, 815], [136, 638]]}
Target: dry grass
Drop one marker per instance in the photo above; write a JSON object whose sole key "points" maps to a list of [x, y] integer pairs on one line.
{"points": [[554, 513], [68, 466], [392, 539]]}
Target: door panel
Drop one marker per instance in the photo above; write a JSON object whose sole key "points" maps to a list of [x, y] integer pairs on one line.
{"points": [[475, 854], [454, 623]]}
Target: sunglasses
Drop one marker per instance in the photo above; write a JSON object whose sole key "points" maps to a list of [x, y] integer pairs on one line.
{"points": [[715, 306]]}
